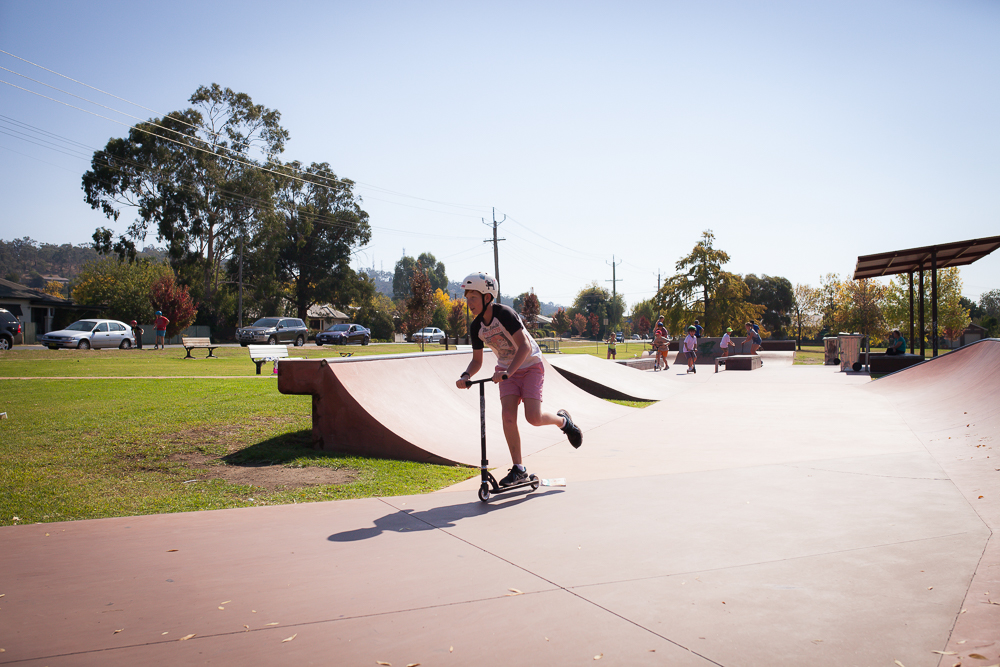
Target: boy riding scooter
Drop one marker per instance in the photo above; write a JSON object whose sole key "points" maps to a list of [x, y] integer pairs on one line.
{"points": [[520, 359]]}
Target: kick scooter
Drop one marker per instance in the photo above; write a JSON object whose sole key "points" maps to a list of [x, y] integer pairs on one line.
{"points": [[489, 484]]}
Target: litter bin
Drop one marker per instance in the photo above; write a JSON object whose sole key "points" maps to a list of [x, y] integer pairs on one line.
{"points": [[850, 350], [831, 350]]}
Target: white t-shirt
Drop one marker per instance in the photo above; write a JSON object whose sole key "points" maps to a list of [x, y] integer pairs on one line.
{"points": [[690, 343], [725, 341], [499, 335]]}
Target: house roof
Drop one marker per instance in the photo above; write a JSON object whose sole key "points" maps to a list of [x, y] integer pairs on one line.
{"points": [[17, 291], [959, 253], [323, 311]]}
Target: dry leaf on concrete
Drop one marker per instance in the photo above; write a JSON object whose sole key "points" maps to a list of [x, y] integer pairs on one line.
{"points": [[413, 664], [598, 656], [185, 638], [899, 663], [288, 639], [977, 656], [267, 624], [117, 631], [944, 652], [171, 550], [387, 664], [514, 591]]}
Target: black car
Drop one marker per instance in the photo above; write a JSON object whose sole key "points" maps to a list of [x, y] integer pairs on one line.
{"points": [[344, 334], [274, 330], [10, 327]]}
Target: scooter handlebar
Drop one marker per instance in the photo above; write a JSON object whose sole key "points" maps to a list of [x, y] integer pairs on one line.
{"points": [[469, 383]]}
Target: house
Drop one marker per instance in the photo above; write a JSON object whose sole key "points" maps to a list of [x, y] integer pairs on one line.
{"points": [[322, 317], [972, 333], [36, 310]]}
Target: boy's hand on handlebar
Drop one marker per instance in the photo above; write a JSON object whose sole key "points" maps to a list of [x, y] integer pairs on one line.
{"points": [[463, 382], [499, 376]]}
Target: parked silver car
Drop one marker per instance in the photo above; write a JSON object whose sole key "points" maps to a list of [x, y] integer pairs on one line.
{"points": [[86, 334], [429, 335]]}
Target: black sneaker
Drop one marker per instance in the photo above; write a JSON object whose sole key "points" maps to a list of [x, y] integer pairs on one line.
{"points": [[515, 476], [572, 431]]}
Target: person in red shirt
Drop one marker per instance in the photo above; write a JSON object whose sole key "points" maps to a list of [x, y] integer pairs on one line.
{"points": [[160, 324]]}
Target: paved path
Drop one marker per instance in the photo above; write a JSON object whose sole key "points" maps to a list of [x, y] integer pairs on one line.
{"points": [[785, 516]]}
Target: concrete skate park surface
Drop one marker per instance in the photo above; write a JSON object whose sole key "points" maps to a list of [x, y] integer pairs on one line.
{"points": [[787, 516]]}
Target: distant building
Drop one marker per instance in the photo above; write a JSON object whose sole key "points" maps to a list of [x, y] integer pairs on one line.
{"points": [[34, 308], [324, 316]]}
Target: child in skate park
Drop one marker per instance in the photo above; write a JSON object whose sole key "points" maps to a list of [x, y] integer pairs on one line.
{"points": [[520, 359]]}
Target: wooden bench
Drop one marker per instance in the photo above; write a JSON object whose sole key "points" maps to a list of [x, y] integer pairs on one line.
{"points": [[199, 344], [263, 353]]}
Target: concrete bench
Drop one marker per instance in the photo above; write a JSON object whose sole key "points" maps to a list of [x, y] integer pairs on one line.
{"points": [[880, 363], [262, 353], [199, 344], [739, 362]]}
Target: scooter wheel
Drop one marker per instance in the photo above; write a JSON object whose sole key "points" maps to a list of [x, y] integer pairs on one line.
{"points": [[534, 482], [484, 493]]}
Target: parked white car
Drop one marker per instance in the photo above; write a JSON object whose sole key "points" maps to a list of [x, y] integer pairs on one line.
{"points": [[86, 334], [429, 335]]}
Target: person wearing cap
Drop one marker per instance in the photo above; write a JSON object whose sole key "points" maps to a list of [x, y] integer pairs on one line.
{"points": [[726, 342], [897, 344], [137, 334], [698, 329], [519, 369], [690, 348], [160, 324]]}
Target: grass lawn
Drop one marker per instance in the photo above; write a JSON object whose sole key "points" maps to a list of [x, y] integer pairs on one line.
{"points": [[85, 449], [232, 361]]}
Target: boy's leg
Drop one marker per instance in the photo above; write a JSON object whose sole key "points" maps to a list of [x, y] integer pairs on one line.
{"points": [[508, 411]]}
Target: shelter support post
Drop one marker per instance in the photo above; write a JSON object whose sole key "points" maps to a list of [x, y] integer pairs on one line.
{"points": [[911, 311], [934, 330], [921, 310]]}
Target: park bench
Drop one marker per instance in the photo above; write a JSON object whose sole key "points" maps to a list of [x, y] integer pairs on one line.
{"points": [[199, 344], [263, 353], [739, 362]]}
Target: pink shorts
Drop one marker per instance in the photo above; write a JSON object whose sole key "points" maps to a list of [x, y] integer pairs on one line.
{"points": [[525, 383]]}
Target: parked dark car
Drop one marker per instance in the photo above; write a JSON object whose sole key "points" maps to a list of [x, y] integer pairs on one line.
{"points": [[344, 334], [10, 327], [274, 330]]}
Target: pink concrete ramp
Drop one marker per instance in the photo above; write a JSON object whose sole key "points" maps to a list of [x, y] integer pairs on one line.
{"points": [[952, 404], [609, 379], [408, 407]]}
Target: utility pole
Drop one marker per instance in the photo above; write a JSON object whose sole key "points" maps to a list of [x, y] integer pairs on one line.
{"points": [[496, 255], [614, 288], [241, 282]]}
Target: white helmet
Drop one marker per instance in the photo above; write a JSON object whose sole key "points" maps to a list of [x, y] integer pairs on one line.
{"points": [[481, 282]]}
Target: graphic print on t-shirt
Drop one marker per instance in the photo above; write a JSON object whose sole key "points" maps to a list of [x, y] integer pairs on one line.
{"points": [[499, 336]]}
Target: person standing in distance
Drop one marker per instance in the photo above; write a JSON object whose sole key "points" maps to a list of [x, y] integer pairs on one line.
{"points": [[160, 324], [520, 359], [727, 342]]}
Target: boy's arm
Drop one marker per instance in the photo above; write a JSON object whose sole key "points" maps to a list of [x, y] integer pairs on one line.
{"points": [[472, 369]]}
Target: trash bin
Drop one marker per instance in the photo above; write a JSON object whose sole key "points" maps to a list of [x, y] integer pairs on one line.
{"points": [[831, 350], [850, 350]]}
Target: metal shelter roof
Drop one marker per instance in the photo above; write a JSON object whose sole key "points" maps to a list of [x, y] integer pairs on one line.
{"points": [[959, 253]]}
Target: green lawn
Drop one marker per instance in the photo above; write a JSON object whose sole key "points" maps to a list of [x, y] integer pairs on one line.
{"points": [[84, 449], [232, 361]]}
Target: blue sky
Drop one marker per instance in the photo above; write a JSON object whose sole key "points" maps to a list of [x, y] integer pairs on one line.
{"points": [[802, 134]]}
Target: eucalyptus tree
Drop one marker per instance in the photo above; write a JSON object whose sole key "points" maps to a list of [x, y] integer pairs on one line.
{"points": [[194, 179]]}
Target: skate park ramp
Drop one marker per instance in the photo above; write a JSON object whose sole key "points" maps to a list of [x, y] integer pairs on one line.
{"points": [[408, 407], [952, 405], [609, 379]]}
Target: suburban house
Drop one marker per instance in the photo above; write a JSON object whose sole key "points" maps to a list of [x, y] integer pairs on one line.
{"points": [[322, 317], [38, 312]]}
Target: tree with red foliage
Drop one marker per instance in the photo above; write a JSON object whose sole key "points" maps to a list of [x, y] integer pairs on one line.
{"points": [[175, 302], [530, 310], [595, 325], [560, 322], [643, 326], [580, 323]]}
